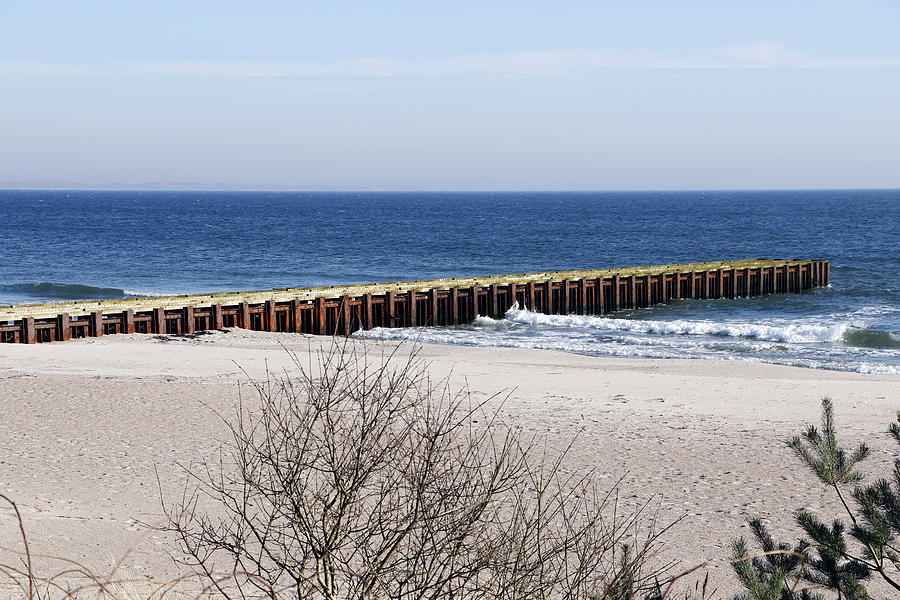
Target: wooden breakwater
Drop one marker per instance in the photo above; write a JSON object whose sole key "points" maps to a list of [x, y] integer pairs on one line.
{"points": [[340, 310]]}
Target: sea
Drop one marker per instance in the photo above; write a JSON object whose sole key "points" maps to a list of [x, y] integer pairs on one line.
{"points": [[66, 245]]}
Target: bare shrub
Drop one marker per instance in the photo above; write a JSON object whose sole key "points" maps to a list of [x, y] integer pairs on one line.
{"points": [[359, 477]]}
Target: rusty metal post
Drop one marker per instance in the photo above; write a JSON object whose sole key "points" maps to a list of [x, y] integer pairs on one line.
{"points": [[529, 296], [319, 318], [600, 295], [411, 311], [29, 336], [433, 305], [159, 320], [493, 302], [617, 300], [217, 321], [582, 297], [454, 306], [513, 288], [388, 311], [128, 321], [632, 301], [96, 326], [65, 330], [548, 297], [244, 315], [367, 311], [346, 327], [676, 285], [720, 284], [564, 296], [474, 302], [269, 323], [188, 315], [827, 277]]}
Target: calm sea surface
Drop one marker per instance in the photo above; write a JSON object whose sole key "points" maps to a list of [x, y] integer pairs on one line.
{"points": [[75, 245]]}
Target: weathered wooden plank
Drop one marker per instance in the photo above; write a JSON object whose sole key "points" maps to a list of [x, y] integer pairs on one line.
{"points": [[631, 302], [344, 309], [601, 296], [548, 297], [582, 297], [617, 300], [65, 329], [96, 328], [433, 307], [268, 320], [367, 311], [29, 335], [647, 295], [188, 312], [454, 305], [411, 309], [320, 318], [244, 315], [493, 303]]}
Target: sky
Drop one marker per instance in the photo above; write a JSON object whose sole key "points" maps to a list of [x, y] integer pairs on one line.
{"points": [[453, 96]]}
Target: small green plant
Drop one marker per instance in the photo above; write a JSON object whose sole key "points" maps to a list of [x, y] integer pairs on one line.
{"points": [[836, 557], [773, 574]]}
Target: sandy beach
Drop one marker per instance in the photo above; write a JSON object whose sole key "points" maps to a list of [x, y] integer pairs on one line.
{"points": [[88, 425]]}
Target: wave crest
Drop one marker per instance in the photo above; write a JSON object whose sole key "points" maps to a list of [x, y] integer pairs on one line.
{"points": [[65, 291], [789, 333]]}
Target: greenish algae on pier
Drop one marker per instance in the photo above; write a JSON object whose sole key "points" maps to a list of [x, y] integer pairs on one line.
{"points": [[78, 308]]}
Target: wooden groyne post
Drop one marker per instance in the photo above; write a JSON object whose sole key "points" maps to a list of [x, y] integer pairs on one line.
{"points": [[341, 310]]}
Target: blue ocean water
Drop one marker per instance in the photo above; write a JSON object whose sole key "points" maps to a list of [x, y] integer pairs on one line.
{"points": [[90, 244]]}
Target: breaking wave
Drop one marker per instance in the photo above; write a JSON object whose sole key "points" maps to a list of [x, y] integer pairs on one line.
{"points": [[787, 333], [43, 291], [836, 345]]}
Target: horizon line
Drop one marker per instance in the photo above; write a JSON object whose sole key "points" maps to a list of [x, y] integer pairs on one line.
{"points": [[6, 186]]}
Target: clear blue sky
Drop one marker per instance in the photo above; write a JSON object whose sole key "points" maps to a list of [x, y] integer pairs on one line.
{"points": [[465, 95]]}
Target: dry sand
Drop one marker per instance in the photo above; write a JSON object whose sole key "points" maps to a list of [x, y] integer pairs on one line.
{"points": [[86, 425]]}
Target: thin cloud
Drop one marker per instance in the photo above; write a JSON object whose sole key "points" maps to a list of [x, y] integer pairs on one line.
{"points": [[553, 63], [771, 54]]}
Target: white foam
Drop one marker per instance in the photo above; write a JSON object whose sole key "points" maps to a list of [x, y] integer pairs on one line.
{"points": [[801, 344], [789, 332]]}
